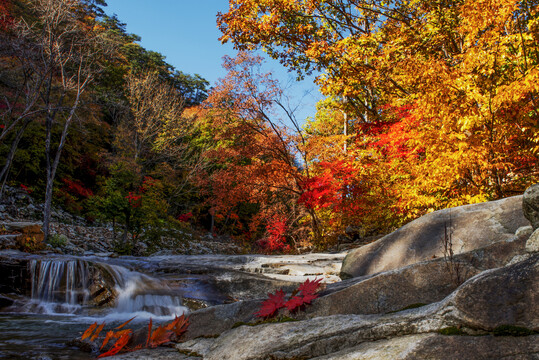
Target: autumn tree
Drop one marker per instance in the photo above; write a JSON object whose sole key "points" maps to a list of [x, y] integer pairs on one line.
{"points": [[56, 48], [442, 92], [256, 178]]}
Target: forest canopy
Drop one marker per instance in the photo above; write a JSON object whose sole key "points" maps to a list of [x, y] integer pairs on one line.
{"points": [[428, 104]]}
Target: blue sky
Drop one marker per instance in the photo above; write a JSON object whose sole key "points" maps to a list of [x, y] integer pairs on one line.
{"points": [[185, 31]]}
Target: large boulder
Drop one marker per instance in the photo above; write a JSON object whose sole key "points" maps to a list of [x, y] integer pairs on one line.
{"points": [[422, 283], [500, 302], [417, 284], [530, 205], [459, 229], [440, 347], [503, 296]]}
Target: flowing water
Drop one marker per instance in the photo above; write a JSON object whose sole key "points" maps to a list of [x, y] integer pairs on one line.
{"points": [[62, 296], [59, 306]]}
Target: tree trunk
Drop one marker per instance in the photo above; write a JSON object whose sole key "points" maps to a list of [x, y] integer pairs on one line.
{"points": [[52, 167], [11, 155]]}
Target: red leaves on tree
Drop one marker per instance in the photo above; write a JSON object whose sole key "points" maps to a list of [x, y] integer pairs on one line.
{"points": [[147, 183], [335, 188], [76, 188], [185, 217], [134, 200], [27, 189], [393, 135], [275, 239], [6, 19], [305, 294]]}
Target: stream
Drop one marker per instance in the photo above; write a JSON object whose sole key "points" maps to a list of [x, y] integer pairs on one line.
{"points": [[47, 300]]}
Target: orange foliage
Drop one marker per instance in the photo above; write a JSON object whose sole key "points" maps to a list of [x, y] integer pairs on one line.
{"points": [[254, 176], [161, 335], [441, 98]]}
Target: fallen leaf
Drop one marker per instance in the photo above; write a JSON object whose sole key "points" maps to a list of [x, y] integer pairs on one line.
{"points": [[160, 336], [179, 325], [125, 323], [110, 335], [97, 332], [89, 331], [118, 345], [149, 332]]}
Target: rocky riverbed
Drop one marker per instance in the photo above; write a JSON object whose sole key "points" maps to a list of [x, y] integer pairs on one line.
{"points": [[417, 293], [478, 302]]}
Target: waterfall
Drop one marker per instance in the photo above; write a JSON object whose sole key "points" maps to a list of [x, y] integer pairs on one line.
{"points": [[59, 285], [62, 286], [144, 295]]}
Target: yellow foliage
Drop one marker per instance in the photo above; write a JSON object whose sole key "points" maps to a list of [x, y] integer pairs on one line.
{"points": [[467, 70]]}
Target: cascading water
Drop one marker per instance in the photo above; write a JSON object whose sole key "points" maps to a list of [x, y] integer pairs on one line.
{"points": [[62, 286], [144, 296], [58, 286]]}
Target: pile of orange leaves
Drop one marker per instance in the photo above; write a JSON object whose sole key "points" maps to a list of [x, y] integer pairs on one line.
{"points": [[161, 335], [303, 295]]}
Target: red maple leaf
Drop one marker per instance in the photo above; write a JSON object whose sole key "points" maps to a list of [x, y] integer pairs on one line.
{"points": [[159, 336], [272, 304], [294, 303], [309, 287], [89, 331], [297, 302], [308, 298]]}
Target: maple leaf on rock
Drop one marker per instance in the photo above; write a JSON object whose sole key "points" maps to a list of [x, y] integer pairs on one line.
{"points": [[125, 323], [272, 304], [118, 345], [89, 331], [160, 336], [306, 293], [110, 335], [97, 332], [294, 303], [308, 298], [309, 287], [179, 325]]}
